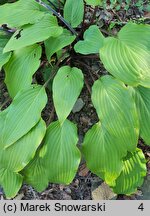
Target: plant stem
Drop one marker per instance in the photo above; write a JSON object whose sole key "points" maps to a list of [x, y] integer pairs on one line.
{"points": [[54, 70], [52, 75], [94, 14], [52, 4], [59, 5], [87, 85], [51, 117], [58, 15]]}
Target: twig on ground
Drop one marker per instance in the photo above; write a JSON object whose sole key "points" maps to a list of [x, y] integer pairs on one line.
{"points": [[94, 15], [51, 117], [87, 85], [89, 69]]}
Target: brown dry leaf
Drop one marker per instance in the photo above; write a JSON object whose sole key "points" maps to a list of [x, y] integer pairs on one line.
{"points": [[147, 15], [83, 170]]}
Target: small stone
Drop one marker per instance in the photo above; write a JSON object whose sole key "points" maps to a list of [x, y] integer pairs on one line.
{"points": [[61, 187], [68, 190], [146, 188], [78, 106], [103, 192]]}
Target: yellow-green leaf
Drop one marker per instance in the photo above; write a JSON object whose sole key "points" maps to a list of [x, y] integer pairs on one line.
{"points": [[31, 34], [67, 86], [116, 110], [133, 173], [93, 41], [59, 157], [14, 158], [20, 13], [18, 155], [21, 67], [127, 56], [103, 153], [10, 181], [54, 44], [73, 12], [22, 115], [142, 99]]}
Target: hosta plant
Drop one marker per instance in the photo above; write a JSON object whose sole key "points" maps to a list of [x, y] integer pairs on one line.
{"points": [[34, 35]]}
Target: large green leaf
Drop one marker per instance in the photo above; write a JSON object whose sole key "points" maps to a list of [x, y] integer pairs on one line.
{"points": [[93, 41], [103, 153], [67, 86], [31, 34], [20, 13], [10, 181], [116, 110], [127, 56], [54, 44], [130, 31], [132, 175], [14, 158], [73, 12], [18, 155], [21, 67], [142, 98], [22, 115], [36, 174], [59, 157], [4, 57]]}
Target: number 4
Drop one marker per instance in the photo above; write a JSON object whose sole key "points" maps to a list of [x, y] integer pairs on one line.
{"points": [[141, 207]]}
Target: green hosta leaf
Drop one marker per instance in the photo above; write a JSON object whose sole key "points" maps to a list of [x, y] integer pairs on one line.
{"points": [[31, 34], [67, 86], [93, 41], [21, 67], [127, 57], [132, 175], [20, 13], [14, 158], [103, 153], [23, 114], [54, 44], [116, 110], [59, 157], [73, 12], [10, 181], [18, 155], [4, 57], [36, 174], [130, 31], [93, 2], [142, 98]]}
